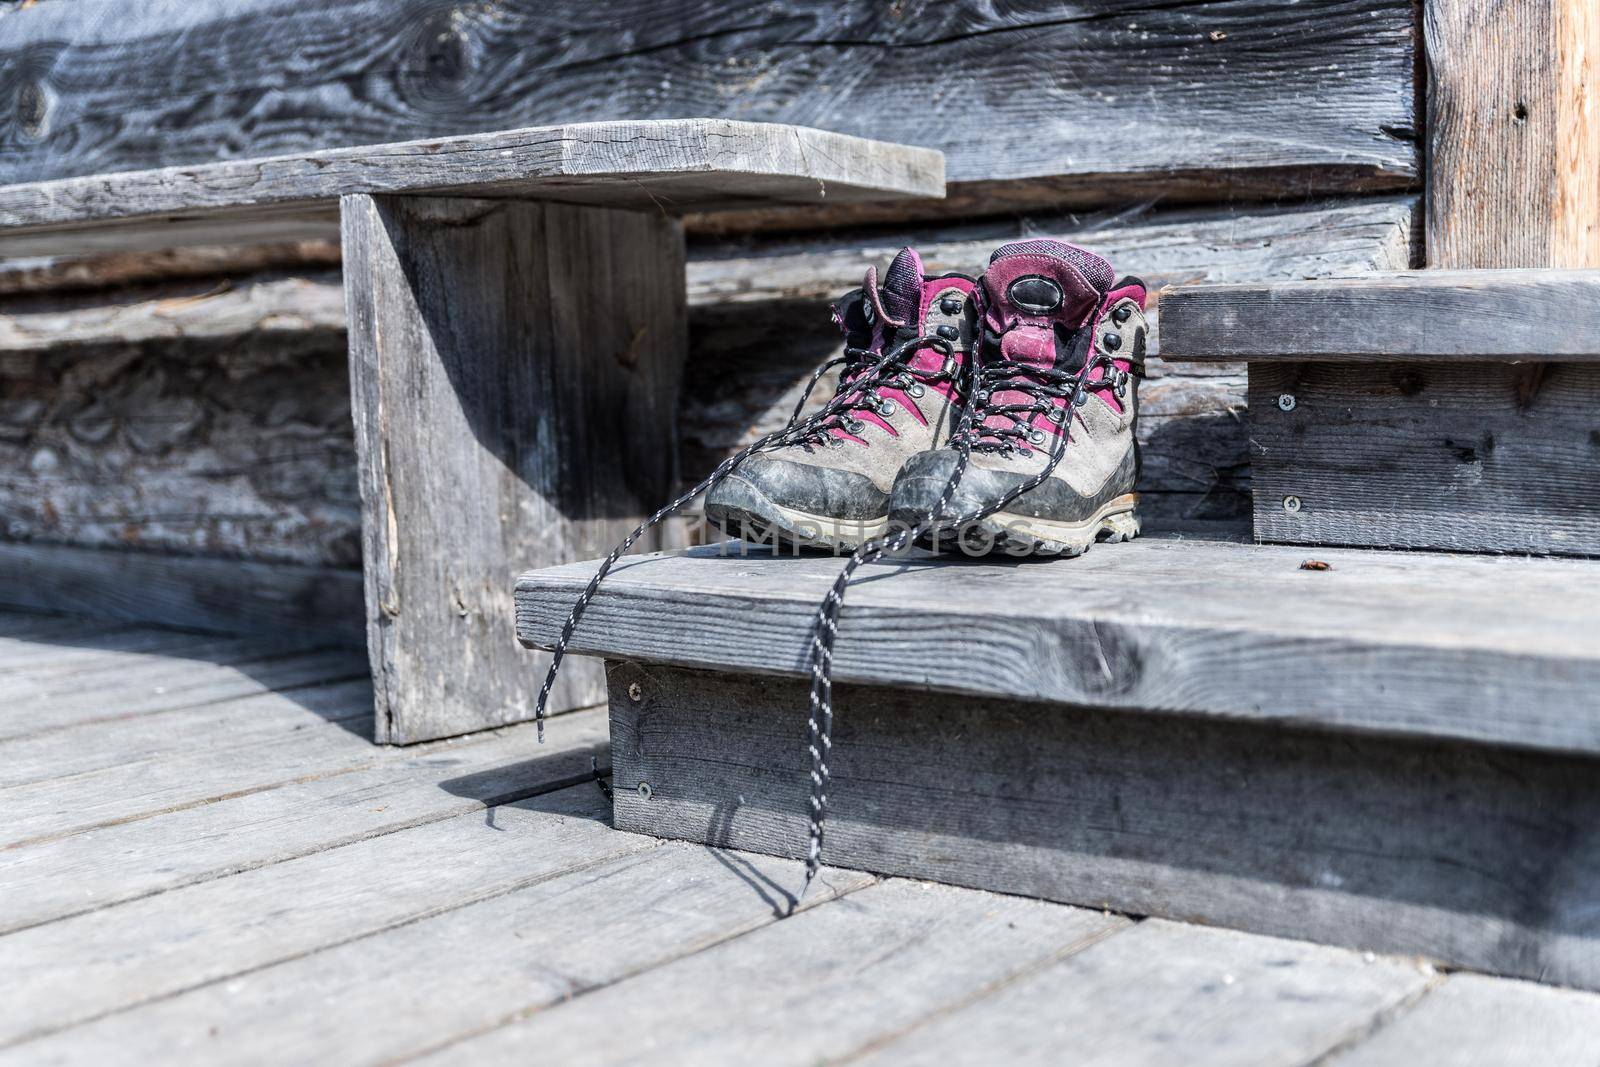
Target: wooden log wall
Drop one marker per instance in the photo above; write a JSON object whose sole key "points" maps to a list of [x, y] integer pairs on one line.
{"points": [[195, 403], [210, 416]]}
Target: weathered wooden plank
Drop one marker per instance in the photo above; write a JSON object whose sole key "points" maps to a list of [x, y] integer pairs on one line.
{"points": [[1111, 102], [327, 743], [515, 373], [197, 593], [661, 166], [1443, 316], [1162, 993], [165, 688], [1462, 853], [1471, 648], [1513, 137], [203, 310], [217, 726], [60, 274], [84, 967], [91, 649], [1473, 1021], [806, 990], [1427, 456], [499, 959], [347, 800], [124, 662]]}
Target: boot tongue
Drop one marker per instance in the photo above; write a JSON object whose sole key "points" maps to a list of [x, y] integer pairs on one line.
{"points": [[898, 299]]}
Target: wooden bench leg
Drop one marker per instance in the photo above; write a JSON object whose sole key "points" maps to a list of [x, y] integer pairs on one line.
{"points": [[515, 370]]}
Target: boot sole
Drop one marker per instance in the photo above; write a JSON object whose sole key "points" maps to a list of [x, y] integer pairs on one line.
{"points": [[1025, 535], [762, 521]]}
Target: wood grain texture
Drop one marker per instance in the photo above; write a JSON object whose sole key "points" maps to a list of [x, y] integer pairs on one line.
{"points": [[1463, 853], [1474, 1021], [1110, 100], [515, 372], [1428, 456], [61, 873], [234, 438], [665, 166], [757, 999], [90, 965], [215, 443], [1164, 993], [230, 596], [1513, 134], [1440, 316], [1471, 648], [500, 959]]}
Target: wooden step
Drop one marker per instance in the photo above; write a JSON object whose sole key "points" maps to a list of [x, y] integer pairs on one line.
{"points": [[1391, 410], [1389, 753]]}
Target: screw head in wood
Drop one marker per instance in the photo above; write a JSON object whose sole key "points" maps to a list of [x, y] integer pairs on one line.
{"points": [[1291, 504], [1286, 401], [635, 692], [644, 790]]}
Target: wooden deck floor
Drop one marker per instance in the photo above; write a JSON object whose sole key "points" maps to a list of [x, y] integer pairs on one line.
{"points": [[204, 860]]}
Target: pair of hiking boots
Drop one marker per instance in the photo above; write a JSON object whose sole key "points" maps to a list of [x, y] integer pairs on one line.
{"points": [[993, 414], [957, 400]]}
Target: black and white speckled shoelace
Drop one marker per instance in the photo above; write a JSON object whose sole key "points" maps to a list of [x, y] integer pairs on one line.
{"points": [[993, 374], [875, 371]]}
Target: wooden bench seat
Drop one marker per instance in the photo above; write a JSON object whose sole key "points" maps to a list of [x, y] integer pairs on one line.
{"points": [[1389, 753], [517, 327]]}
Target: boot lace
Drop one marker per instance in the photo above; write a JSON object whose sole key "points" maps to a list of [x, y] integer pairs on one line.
{"points": [[995, 373], [867, 372]]}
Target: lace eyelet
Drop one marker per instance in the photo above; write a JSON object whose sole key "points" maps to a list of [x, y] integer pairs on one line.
{"points": [[887, 408], [916, 390], [1036, 436], [1057, 416], [855, 426]]}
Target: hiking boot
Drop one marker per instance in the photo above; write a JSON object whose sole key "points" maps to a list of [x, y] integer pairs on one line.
{"points": [[1062, 350], [906, 344]]}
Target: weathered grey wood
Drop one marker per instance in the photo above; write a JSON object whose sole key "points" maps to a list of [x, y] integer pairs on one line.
{"points": [[216, 726], [1473, 1021], [332, 739], [92, 650], [1513, 138], [1165, 993], [344, 801], [128, 662], [1429, 456], [665, 166], [164, 688], [515, 371], [61, 274], [1472, 648], [197, 593], [1106, 103], [240, 444], [1445, 316], [84, 967], [806, 990], [485, 963], [1463, 853]]}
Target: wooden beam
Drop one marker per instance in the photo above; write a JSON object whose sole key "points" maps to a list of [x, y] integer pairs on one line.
{"points": [[1478, 649], [1442, 316], [1451, 851], [221, 595], [514, 370], [666, 166], [1055, 100], [1513, 133]]}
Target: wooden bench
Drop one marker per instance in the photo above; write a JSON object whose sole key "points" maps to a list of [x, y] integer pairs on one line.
{"points": [[517, 333]]}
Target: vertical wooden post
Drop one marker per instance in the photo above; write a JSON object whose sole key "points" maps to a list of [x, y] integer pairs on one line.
{"points": [[1513, 133], [515, 371]]}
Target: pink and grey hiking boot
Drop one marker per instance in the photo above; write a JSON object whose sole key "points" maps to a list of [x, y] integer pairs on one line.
{"points": [[1049, 455], [830, 489]]}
